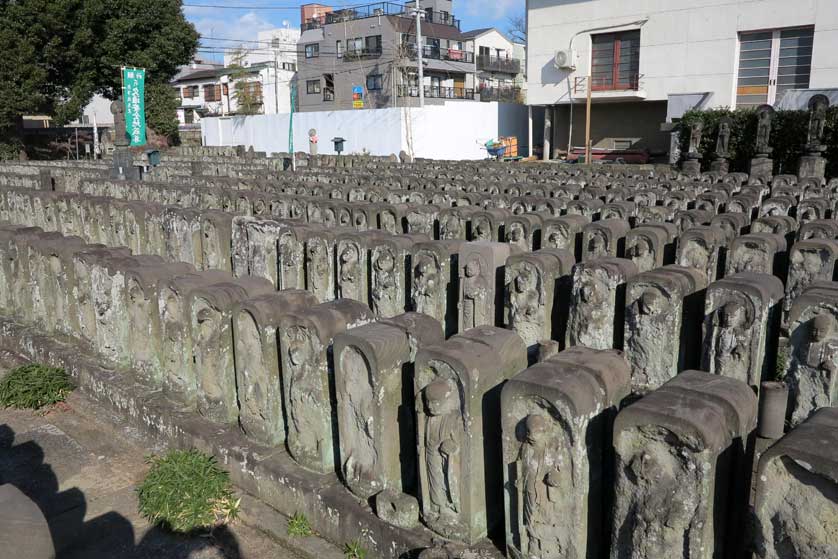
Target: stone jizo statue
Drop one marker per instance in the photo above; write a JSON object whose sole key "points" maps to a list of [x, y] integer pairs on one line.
{"points": [[443, 434], [818, 105], [765, 114]]}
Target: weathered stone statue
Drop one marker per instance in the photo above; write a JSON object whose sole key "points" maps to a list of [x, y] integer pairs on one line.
{"points": [[813, 164], [723, 138], [319, 265], [677, 449], [372, 400], [459, 459], [120, 134], [256, 322], [481, 296], [813, 364], [557, 418], [818, 105], [597, 303], [699, 248], [662, 321], [435, 266], [796, 492], [758, 252], [305, 337], [765, 116], [720, 163], [535, 284], [740, 326], [809, 261]]}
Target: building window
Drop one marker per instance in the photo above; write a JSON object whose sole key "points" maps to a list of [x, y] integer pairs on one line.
{"points": [[354, 47], [313, 87], [252, 90], [615, 61], [329, 87], [312, 50], [373, 44], [212, 93], [190, 92], [339, 48], [290, 66], [275, 43], [179, 93], [188, 116], [375, 82], [771, 62]]}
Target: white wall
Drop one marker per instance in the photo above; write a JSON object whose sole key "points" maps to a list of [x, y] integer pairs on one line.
{"points": [[687, 46], [495, 40], [456, 130]]}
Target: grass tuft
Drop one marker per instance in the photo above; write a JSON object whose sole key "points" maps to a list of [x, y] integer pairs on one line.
{"points": [[354, 550], [186, 490], [782, 363], [34, 386], [299, 526]]}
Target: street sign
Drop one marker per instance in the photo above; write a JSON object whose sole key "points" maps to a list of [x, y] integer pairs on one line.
{"points": [[357, 97], [133, 80]]}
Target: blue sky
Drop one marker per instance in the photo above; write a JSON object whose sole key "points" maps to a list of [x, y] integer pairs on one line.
{"points": [[228, 23]]}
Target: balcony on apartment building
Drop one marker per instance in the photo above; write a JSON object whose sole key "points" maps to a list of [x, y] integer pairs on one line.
{"points": [[431, 52], [375, 10], [501, 94], [437, 92], [502, 64]]}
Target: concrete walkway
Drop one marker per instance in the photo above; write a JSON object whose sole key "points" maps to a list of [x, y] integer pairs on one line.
{"points": [[81, 467]]}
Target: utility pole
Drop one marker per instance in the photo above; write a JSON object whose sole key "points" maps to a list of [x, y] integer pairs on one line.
{"points": [[420, 52], [291, 126], [276, 82], [588, 123]]}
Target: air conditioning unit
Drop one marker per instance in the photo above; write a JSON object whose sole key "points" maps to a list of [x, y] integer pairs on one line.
{"points": [[565, 59]]}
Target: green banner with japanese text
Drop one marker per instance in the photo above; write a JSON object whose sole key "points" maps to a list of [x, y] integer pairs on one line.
{"points": [[133, 80]]}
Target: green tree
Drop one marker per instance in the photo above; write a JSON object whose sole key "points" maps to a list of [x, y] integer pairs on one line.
{"points": [[58, 53], [248, 99]]}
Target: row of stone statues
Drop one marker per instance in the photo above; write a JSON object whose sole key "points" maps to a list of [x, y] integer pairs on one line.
{"points": [[812, 164]]}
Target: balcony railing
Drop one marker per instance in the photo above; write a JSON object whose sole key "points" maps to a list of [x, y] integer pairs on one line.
{"points": [[431, 52], [374, 10], [501, 94], [361, 54], [498, 64], [437, 92]]}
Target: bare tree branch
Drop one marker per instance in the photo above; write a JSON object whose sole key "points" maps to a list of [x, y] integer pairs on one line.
{"points": [[516, 28]]}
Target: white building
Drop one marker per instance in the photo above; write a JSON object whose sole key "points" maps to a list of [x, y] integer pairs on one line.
{"points": [[274, 46], [650, 61], [499, 63], [213, 92]]}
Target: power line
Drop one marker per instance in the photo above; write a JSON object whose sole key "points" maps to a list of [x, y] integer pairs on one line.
{"points": [[228, 7]]}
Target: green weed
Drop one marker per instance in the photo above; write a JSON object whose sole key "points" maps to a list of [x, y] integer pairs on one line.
{"points": [[34, 386], [186, 490]]}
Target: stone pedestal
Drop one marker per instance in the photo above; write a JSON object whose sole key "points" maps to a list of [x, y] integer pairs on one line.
{"points": [[123, 165], [720, 165], [691, 167], [812, 165], [762, 168]]}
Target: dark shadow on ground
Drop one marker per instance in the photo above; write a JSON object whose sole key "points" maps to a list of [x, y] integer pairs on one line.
{"points": [[107, 536]]}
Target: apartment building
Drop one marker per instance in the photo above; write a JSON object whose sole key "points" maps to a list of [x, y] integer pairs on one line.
{"points": [[224, 90], [499, 65], [646, 63], [366, 57]]}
